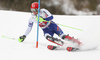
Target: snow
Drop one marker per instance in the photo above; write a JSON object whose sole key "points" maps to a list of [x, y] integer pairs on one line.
{"points": [[13, 24]]}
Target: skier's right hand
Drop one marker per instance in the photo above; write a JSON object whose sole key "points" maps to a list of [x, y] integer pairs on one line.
{"points": [[21, 38]]}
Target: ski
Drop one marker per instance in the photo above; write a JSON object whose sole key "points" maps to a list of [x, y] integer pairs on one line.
{"points": [[51, 47], [69, 49], [72, 49]]}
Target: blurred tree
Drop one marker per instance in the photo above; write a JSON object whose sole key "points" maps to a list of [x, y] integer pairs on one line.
{"points": [[19, 5], [78, 4], [51, 5], [92, 5], [98, 1], [86, 4], [24, 5], [98, 9]]}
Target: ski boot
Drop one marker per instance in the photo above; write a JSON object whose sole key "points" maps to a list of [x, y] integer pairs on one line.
{"points": [[72, 39], [55, 40]]}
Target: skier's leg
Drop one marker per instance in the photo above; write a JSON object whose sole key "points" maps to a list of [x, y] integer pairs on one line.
{"points": [[60, 33], [69, 38]]}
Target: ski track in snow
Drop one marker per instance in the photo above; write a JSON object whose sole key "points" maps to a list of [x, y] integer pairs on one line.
{"points": [[13, 24]]}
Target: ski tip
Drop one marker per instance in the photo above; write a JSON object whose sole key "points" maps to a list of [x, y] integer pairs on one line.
{"points": [[51, 47], [72, 49], [69, 49]]}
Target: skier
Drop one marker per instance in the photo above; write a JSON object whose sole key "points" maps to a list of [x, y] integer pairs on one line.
{"points": [[48, 26]]}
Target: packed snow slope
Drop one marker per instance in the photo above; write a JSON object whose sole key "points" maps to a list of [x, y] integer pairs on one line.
{"points": [[13, 24]]}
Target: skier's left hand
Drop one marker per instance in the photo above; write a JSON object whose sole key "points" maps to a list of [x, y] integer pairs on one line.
{"points": [[22, 38]]}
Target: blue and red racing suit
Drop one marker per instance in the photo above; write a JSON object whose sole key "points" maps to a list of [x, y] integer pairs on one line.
{"points": [[49, 28]]}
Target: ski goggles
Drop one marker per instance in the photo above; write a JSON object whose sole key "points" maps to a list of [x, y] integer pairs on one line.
{"points": [[34, 10]]}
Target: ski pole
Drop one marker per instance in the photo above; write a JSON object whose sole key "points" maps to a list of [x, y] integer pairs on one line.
{"points": [[41, 20], [69, 27], [9, 38], [12, 38], [38, 24]]}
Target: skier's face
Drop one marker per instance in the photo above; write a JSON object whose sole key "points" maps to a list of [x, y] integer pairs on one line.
{"points": [[35, 13]]}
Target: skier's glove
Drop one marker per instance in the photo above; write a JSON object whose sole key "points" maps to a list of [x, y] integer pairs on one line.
{"points": [[22, 38]]}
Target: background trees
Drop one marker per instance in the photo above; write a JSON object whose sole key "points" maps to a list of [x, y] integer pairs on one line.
{"points": [[54, 6]]}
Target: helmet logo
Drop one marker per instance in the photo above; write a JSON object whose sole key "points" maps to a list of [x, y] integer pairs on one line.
{"points": [[33, 5]]}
